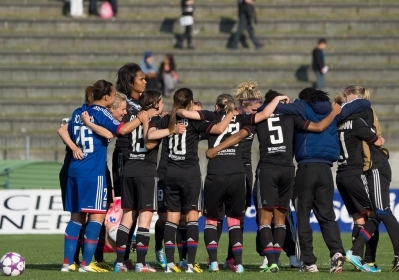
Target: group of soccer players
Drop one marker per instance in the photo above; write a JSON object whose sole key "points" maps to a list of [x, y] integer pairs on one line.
{"points": [[317, 132]]}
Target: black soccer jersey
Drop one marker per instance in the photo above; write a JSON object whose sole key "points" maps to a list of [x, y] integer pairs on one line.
{"points": [[246, 146], [123, 142], [229, 160], [141, 162], [276, 135], [183, 148], [350, 133], [163, 160]]}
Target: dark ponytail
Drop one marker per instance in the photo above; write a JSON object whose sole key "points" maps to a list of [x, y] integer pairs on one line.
{"points": [[181, 100]]}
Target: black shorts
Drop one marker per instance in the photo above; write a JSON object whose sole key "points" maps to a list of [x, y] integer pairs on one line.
{"points": [[379, 180], [224, 190], [63, 176], [354, 193], [274, 186], [117, 171], [161, 195], [139, 193], [249, 178], [183, 194]]}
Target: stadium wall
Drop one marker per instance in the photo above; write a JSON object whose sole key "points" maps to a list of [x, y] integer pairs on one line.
{"points": [[40, 212]]}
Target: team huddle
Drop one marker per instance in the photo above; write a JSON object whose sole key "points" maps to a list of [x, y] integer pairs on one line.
{"points": [[312, 129]]}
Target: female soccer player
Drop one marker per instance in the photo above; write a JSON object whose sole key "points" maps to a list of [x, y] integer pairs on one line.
{"points": [[181, 232], [139, 184], [118, 110], [131, 82], [86, 189], [225, 182], [378, 174], [183, 176]]}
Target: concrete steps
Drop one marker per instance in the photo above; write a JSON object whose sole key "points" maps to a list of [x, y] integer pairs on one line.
{"points": [[196, 58], [206, 93], [214, 10], [165, 42], [170, 25], [40, 108], [349, 74], [47, 59]]}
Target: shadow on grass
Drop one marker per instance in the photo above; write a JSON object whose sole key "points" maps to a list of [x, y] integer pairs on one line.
{"points": [[43, 266]]}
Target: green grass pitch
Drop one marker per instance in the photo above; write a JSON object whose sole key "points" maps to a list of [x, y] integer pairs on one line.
{"points": [[44, 253]]}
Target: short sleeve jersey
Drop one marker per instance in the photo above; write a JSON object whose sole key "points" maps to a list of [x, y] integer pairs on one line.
{"points": [[276, 136], [94, 146], [350, 133], [228, 161], [141, 162], [123, 142], [183, 148]]}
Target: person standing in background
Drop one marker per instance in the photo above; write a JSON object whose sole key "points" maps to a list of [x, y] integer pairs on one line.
{"points": [[246, 14], [77, 9], [150, 70], [319, 64], [187, 21], [93, 7], [168, 75]]}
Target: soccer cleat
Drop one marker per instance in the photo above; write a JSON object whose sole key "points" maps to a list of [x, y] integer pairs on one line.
{"points": [[103, 265], [356, 261], [395, 263], [129, 265], [69, 268], [171, 267], [238, 268], [144, 268], [182, 264], [120, 267], [208, 262], [336, 263], [91, 268], [308, 268], [264, 263], [271, 269], [213, 267], [193, 268], [229, 264], [371, 267], [160, 258], [294, 262]]}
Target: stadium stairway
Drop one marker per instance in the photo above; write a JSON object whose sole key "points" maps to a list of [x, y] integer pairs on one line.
{"points": [[48, 58]]}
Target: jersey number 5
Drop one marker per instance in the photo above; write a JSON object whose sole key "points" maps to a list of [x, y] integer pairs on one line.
{"points": [[273, 138]]}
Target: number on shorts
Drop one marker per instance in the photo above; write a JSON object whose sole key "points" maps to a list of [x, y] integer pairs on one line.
{"points": [[160, 195]]}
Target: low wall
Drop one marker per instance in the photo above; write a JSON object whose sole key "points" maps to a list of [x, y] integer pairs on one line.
{"points": [[40, 212]]}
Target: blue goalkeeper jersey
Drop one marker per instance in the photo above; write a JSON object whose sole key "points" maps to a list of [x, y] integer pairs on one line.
{"points": [[94, 146]]}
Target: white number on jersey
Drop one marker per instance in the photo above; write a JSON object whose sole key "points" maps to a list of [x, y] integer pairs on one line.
{"points": [[342, 158], [83, 139], [232, 128], [273, 139], [138, 140], [175, 141]]}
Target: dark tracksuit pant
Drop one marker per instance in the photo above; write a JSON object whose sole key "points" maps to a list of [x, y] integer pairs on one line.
{"points": [[314, 190]]}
